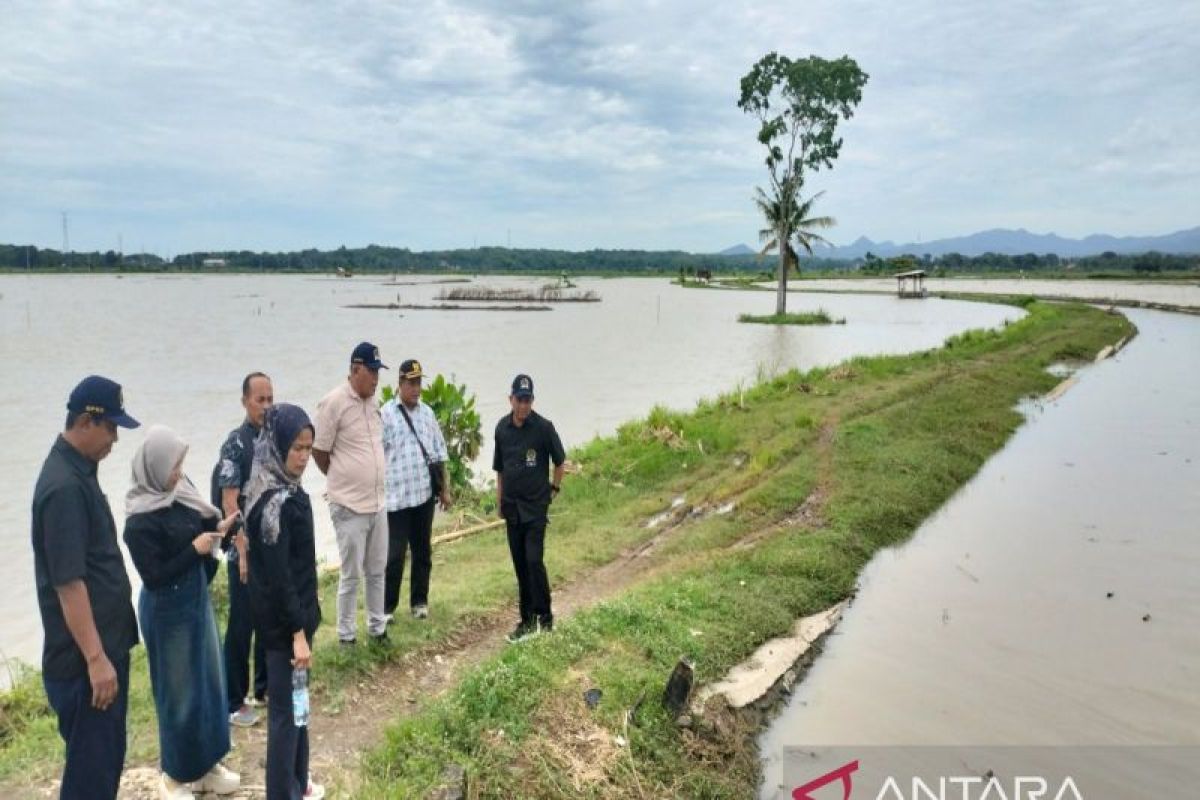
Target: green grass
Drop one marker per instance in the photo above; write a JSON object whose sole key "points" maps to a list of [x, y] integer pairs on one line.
{"points": [[908, 432], [900, 435], [818, 317]]}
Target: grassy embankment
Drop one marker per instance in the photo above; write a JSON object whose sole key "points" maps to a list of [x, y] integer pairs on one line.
{"points": [[879, 443], [882, 442]]}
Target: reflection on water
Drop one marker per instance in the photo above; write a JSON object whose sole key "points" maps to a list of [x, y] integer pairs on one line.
{"points": [[1054, 600], [181, 344], [1178, 294]]}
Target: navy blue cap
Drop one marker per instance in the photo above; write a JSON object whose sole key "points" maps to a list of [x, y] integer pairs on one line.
{"points": [[102, 399], [522, 386], [367, 354]]}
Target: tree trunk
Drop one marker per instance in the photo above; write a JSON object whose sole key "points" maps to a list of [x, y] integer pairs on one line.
{"points": [[781, 289]]}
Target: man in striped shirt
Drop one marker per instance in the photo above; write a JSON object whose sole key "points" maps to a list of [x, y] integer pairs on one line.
{"points": [[412, 441]]}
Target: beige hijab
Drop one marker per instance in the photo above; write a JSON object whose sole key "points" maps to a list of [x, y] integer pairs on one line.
{"points": [[153, 464]]}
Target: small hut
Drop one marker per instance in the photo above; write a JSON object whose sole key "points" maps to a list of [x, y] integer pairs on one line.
{"points": [[911, 284]]}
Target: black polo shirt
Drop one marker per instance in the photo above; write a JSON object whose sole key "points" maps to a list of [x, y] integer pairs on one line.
{"points": [[74, 537], [522, 457]]}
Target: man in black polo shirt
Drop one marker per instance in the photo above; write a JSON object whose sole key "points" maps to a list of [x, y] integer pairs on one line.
{"points": [[84, 594], [526, 443], [229, 479]]}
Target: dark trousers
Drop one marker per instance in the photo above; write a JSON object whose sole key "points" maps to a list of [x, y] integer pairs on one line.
{"points": [[238, 634], [287, 745], [409, 529], [95, 739], [526, 541]]}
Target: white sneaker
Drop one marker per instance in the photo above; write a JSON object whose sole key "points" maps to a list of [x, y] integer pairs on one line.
{"points": [[420, 612], [220, 780], [171, 789], [244, 717], [314, 791]]}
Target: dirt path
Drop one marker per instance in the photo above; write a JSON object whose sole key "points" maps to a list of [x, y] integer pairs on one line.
{"points": [[345, 727], [364, 710]]}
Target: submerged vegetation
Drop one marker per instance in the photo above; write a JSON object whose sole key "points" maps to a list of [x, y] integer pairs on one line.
{"points": [[818, 317], [545, 294], [775, 496]]}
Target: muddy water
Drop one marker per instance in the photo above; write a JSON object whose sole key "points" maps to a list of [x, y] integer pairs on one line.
{"points": [[994, 624], [181, 344], [1186, 293]]}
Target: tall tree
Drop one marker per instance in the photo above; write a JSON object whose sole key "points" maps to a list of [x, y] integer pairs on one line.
{"points": [[798, 104], [803, 226]]}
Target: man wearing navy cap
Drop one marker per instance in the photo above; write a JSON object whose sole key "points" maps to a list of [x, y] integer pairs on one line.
{"points": [[526, 443], [348, 448], [84, 594]]}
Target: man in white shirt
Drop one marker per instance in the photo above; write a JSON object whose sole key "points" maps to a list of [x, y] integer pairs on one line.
{"points": [[413, 445]]}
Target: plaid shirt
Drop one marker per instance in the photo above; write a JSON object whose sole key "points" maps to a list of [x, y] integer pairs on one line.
{"points": [[406, 481]]}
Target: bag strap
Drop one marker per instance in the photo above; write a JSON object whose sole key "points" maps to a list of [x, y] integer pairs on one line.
{"points": [[408, 419]]}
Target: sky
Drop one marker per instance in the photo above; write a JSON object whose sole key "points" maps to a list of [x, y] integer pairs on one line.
{"points": [[184, 126]]}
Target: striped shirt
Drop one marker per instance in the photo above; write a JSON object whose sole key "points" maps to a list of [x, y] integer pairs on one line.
{"points": [[407, 476]]}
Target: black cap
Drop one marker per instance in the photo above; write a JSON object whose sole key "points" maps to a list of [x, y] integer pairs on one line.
{"points": [[102, 399], [410, 368], [367, 354], [522, 386]]}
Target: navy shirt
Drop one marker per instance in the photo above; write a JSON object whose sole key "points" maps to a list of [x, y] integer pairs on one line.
{"points": [[232, 471], [522, 457], [160, 544], [74, 538]]}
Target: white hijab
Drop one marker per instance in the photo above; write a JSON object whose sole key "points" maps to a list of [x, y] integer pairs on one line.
{"points": [[153, 464]]}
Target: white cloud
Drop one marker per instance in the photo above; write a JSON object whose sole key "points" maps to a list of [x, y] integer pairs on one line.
{"points": [[281, 125]]}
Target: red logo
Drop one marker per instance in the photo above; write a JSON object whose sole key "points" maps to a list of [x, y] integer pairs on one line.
{"points": [[842, 772]]}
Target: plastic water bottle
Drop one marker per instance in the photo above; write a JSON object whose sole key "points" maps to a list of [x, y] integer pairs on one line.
{"points": [[300, 697]]}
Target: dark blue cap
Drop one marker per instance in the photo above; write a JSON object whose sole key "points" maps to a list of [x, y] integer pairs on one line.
{"points": [[102, 399], [367, 354], [522, 386]]}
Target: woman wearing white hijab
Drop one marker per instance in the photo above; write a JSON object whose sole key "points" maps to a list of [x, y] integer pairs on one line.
{"points": [[171, 532]]}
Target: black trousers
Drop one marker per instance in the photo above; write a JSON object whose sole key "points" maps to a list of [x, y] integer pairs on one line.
{"points": [[287, 745], [238, 634], [95, 739], [526, 541], [409, 529]]}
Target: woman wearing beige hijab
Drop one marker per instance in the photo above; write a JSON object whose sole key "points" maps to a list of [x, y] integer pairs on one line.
{"points": [[172, 533]]}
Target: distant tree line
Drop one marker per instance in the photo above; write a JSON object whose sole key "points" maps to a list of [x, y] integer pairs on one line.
{"points": [[1029, 262], [377, 259]]}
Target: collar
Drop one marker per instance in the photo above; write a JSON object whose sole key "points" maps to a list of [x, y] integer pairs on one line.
{"points": [[508, 418], [353, 395], [83, 465]]}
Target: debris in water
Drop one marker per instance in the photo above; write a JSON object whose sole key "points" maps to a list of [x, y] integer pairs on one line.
{"points": [[1109, 595], [1146, 618]]}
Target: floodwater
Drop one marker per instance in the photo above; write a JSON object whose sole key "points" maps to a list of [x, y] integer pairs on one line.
{"points": [[1186, 293], [1054, 600], [181, 344]]}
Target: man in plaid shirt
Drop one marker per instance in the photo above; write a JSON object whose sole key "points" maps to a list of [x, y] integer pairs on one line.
{"points": [[408, 489]]}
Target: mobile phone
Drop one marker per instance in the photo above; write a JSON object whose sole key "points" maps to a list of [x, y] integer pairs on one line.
{"points": [[234, 527]]}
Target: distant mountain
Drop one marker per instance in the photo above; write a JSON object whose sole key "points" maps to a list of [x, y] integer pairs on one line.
{"points": [[738, 250], [1016, 242]]}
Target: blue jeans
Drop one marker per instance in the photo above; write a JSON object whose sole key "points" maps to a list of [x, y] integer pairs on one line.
{"points": [[95, 739]]}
